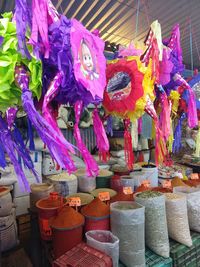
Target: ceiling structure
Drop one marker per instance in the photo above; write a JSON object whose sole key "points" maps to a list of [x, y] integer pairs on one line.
{"points": [[120, 22]]}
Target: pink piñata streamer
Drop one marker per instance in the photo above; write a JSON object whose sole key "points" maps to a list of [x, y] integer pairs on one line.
{"points": [[40, 25], [101, 137], [47, 113], [91, 165]]}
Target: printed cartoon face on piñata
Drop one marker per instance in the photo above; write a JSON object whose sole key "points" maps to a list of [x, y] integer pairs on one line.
{"points": [[119, 86], [88, 59], [124, 87], [88, 62]]}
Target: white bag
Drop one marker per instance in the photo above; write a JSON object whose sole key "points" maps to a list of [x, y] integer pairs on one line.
{"points": [[156, 234], [49, 166], [65, 184], [193, 205], [127, 223], [106, 242], [177, 218]]}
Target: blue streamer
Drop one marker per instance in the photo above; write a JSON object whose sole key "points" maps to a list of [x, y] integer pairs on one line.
{"points": [[30, 136], [2, 157], [178, 134]]}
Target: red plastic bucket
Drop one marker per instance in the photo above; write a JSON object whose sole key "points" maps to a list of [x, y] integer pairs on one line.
{"points": [[93, 223], [66, 239], [45, 213]]}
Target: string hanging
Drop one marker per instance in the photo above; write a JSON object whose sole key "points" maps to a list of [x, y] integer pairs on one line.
{"points": [[137, 18]]}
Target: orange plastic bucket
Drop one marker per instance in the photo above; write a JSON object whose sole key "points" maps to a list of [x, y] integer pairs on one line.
{"points": [[48, 208]]}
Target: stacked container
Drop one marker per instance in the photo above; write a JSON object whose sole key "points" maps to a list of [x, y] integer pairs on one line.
{"points": [[8, 226]]}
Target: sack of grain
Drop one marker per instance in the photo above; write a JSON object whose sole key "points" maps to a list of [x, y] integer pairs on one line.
{"points": [[177, 218], [193, 205], [64, 183], [156, 234], [127, 223]]}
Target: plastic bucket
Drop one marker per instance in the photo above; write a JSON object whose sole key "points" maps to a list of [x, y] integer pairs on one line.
{"points": [[66, 239], [103, 180], [93, 223], [151, 173], [45, 213]]}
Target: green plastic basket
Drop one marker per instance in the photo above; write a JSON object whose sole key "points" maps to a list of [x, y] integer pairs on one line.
{"points": [[103, 180], [183, 256], [153, 260]]}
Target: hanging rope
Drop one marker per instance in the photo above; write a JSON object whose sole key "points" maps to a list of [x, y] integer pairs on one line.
{"points": [[191, 48], [187, 22], [137, 18], [146, 12]]}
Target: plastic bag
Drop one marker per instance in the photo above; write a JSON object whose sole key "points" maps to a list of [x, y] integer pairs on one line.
{"points": [[177, 218], [193, 205], [127, 223], [156, 234], [106, 242]]}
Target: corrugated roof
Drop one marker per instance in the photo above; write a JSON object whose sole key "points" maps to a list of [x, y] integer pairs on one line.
{"points": [[116, 19]]}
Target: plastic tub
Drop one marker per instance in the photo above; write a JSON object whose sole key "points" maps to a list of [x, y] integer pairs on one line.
{"points": [[103, 179], [151, 173]]}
